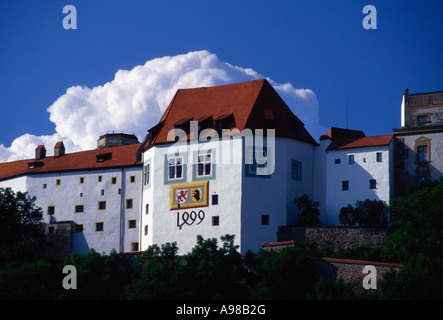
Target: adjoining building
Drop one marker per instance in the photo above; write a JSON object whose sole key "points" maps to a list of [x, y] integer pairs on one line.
{"points": [[419, 140], [222, 160], [99, 190]]}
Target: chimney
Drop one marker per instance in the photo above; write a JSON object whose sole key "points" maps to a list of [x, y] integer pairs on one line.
{"points": [[40, 152], [59, 149]]}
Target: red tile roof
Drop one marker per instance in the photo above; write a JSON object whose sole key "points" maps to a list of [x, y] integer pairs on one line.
{"points": [[372, 141], [121, 156], [247, 105]]}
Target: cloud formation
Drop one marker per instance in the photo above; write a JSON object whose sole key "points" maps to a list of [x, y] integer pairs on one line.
{"points": [[135, 100]]}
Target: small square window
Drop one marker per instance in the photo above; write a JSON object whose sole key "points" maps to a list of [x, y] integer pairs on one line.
{"points": [[114, 180], [134, 246], [131, 179], [132, 224], [81, 180], [337, 161], [372, 184], [51, 210], [78, 228], [265, 219], [215, 220], [102, 205], [215, 199], [129, 203], [99, 178], [345, 185], [79, 208], [45, 185], [99, 226], [58, 182]]}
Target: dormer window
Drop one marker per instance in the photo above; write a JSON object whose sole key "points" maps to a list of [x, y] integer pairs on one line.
{"points": [[104, 156]]}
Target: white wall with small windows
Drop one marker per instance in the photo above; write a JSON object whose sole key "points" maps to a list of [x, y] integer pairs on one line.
{"points": [[357, 174], [96, 201], [200, 169]]}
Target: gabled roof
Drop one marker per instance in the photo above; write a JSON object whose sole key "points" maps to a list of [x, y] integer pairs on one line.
{"points": [[247, 105], [121, 156]]}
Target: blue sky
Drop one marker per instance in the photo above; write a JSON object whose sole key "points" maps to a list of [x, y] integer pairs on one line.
{"points": [[316, 45]]}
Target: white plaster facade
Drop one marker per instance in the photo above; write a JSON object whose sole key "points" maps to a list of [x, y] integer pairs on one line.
{"points": [[369, 175]]}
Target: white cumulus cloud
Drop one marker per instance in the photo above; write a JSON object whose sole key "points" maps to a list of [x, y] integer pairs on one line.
{"points": [[135, 100]]}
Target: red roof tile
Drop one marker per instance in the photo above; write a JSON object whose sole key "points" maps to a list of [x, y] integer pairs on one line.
{"points": [[122, 156], [246, 105], [372, 141]]}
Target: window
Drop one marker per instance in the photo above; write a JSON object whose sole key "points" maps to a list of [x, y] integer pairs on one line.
{"points": [[351, 159], [132, 224], [379, 157], [99, 178], [134, 246], [102, 192], [146, 230], [175, 168], [422, 118], [147, 208], [102, 205], [58, 182], [78, 228], [265, 219], [146, 170], [131, 179], [45, 185], [50, 210], [422, 153], [99, 226], [113, 180], [372, 184], [81, 180], [214, 199], [337, 161], [345, 185], [129, 204], [79, 208], [296, 170], [259, 161], [204, 165], [215, 220]]}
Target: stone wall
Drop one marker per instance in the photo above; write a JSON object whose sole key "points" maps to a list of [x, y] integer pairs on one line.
{"points": [[333, 237], [59, 237], [351, 272]]}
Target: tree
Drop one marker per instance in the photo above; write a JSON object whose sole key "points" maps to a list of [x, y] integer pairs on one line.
{"points": [[309, 213], [21, 234], [416, 240], [367, 213]]}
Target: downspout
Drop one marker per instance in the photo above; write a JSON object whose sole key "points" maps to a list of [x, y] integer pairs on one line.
{"points": [[121, 213]]}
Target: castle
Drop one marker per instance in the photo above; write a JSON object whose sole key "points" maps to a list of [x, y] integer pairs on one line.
{"points": [[227, 159]]}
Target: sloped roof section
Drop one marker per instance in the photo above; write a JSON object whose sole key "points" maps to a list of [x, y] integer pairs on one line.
{"points": [[371, 141], [247, 105], [121, 156]]}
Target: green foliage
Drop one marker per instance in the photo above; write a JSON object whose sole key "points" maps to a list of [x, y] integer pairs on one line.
{"points": [[416, 241], [367, 213], [309, 213], [99, 276], [31, 280], [285, 275], [21, 235]]}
